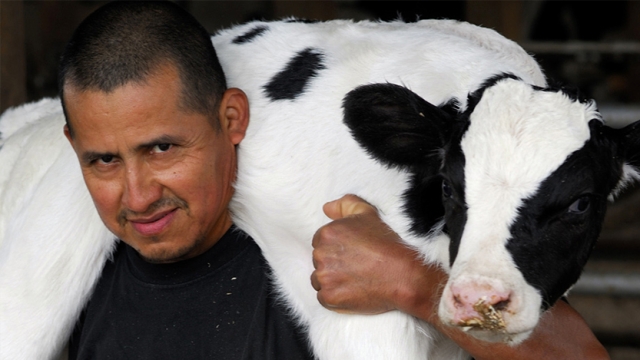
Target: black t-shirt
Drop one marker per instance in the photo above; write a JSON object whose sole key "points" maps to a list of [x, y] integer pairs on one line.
{"points": [[218, 305]]}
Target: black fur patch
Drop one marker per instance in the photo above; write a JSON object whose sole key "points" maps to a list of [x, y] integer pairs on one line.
{"points": [[395, 125], [304, 21], [551, 243], [401, 130], [455, 205], [451, 107], [629, 140], [425, 203], [293, 79], [571, 92], [423, 200], [250, 35]]}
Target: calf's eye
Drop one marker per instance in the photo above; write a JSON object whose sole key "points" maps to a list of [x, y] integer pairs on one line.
{"points": [[446, 189], [580, 206]]}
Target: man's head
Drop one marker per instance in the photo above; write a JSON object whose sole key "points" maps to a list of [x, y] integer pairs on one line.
{"points": [[124, 42], [155, 138]]}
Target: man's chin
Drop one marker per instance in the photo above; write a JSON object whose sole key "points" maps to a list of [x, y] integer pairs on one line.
{"points": [[166, 252]]}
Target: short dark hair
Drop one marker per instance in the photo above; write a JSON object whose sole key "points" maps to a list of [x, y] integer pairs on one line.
{"points": [[125, 42]]}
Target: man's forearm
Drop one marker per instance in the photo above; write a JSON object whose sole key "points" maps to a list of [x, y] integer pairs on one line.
{"points": [[561, 334]]}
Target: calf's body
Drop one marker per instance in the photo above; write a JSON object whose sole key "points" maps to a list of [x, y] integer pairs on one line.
{"points": [[449, 129]]}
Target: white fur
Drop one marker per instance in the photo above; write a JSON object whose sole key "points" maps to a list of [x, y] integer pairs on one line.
{"points": [[13, 119], [630, 175], [297, 155], [52, 242]]}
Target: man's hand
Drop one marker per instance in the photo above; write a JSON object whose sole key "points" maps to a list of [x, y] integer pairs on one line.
{"points": [[361, 265]]}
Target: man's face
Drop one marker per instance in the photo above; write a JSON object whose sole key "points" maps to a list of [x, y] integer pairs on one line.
{"points": [[160, 176]]}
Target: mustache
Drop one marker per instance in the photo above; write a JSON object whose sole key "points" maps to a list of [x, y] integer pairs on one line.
{"points": [[158, 204]]}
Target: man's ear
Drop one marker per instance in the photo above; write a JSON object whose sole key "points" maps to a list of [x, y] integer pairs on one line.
{"points": [[67, 134], [234, 114]]}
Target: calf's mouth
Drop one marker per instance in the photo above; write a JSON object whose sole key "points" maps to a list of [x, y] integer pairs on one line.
{"points": [[490, 319]]}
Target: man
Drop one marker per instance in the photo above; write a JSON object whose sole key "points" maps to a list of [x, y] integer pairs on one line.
{"points": [[155, 129], [155, 132]]}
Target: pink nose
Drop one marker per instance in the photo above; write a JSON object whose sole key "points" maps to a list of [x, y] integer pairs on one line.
{"points": [[467, 299]]}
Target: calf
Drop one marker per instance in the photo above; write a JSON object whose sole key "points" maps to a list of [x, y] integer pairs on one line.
{"points": [[450, 130]]}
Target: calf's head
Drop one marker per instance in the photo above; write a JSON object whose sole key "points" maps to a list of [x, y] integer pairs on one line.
{"points": [[521, 177]]}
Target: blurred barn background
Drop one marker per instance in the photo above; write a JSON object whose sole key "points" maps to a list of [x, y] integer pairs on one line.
{"points": [[592, 45]]}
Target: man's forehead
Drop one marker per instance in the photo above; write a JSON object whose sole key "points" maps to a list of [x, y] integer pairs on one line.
{"points": [[156, 94], [162, 89], [153, 72]]}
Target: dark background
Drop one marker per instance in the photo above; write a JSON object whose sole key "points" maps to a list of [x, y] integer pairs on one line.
{"points": [[34, 33], [592, 45]]}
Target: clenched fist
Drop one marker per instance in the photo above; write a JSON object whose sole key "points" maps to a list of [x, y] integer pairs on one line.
{"points": [[362, 267]]}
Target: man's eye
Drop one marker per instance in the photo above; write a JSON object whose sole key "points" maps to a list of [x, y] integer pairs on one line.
{"points": [[106, 159], [161, 148]]}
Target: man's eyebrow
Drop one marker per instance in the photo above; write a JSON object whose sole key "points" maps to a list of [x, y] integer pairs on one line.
{"points": [[163, 139], [89, 156]]}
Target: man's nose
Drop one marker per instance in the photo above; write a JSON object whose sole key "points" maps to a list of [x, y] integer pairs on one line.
{"points": [[140, 188]]}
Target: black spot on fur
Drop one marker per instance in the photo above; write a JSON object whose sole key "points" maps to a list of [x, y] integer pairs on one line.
{"points": [[395, 125], [401, 130], [451, 107], [455, 205], [572, 93], [293, 79], [423, 200], [250, 35], [425, 203], [629, 141], [495, 79], [304, 21], [550, 243]]}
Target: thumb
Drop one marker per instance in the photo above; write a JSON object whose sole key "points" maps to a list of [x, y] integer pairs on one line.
{"points": [[346, 206]]}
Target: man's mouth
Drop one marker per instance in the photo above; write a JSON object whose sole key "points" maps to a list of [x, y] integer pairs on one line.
{"points": [[155, 224]]}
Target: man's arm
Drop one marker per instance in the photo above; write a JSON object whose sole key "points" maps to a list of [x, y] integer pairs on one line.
{"points": [[362, 267]]}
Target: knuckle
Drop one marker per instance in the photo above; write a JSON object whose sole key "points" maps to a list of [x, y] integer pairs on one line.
{"points": [[322, 298], [327, 234], [318, 259], [314, 282], [351, 197]]}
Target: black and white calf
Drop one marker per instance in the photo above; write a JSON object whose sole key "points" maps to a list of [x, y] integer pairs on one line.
{"points": [[447, 128], [444, 121]]}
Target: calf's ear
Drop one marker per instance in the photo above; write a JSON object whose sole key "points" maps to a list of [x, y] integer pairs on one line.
{"points": [[395, 125], [628, 139]]}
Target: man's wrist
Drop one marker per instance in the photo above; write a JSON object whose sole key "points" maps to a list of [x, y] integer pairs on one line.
{"points": [[419, 294]]}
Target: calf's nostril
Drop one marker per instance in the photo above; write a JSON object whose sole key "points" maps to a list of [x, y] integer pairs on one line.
{"points": [[457, 301], [501, 305]]}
